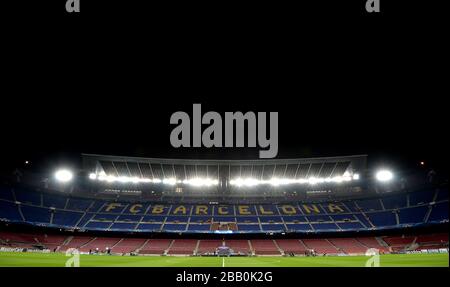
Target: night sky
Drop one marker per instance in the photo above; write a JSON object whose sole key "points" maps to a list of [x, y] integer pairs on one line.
{"points": [[111, 90]]}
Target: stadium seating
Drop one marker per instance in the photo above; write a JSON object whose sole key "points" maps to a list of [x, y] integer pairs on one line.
{"points": [[412, 215], [239, 246], [294, 246], [439, 212], [155, 246], [183, 247], [348, 245], [356, 245], [372, 242], [265, 247], [388, 212], [100, 244], [127, 245], [208, 246], [9, 211], [75, 242], [320, 246]]}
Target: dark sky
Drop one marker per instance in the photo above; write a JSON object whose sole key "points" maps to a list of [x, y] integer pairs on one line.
{"points": [[111, 88]]}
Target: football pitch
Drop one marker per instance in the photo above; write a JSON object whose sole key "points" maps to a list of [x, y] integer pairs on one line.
{"points": [[11, 259]]}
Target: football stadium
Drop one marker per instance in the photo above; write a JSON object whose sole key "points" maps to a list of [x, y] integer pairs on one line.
{"points": [[129, 211]]}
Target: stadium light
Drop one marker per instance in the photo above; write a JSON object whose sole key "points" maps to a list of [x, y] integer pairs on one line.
{"points": [[249, 182], [63, 175], [168, 181], [384, 175], [201, 182]]}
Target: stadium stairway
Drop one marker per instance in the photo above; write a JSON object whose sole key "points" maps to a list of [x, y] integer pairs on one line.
{"points": [[320, 246], [331, 243], [140, 247], [168, 248], [127, 245], [382, 242], [252, 250], [156, 246], [348, 245], [278, 247], [293, 246], [196, 247], [208, 246], [240, 246], [182, 247], [265, 247]]}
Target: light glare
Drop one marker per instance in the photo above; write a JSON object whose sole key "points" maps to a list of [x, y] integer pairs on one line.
{"points": [[384, 175], [63, 175]]}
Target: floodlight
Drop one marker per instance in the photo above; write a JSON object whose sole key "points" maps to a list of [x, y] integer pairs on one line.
{"points": [[384, 175], [63, 175], [170, 181], [356, 176], [92, 176]]}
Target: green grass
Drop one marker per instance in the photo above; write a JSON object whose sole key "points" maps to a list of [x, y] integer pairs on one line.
{"points": [[11, 259]]}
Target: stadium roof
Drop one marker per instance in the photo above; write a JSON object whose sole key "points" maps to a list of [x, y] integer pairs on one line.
{"points": [[224, 169]]}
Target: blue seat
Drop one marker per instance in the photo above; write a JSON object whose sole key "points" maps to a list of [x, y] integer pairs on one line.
{"points": [[325, 226], [96, 206], [270, 219], [363, 220], [66, 218], [199, 227], [412, 215], [177, 219], [201, 219], [442, 194], [421, 197], [85, 219], [97, 225], [28, 197], [294, 219], [174, 227], [369, 204], [248, 227], [394, 201], [149, 227], [298, 227], [384, 218], [439, 212], [343, 217], [53, 200], [224, 219], [350, 225], [9, 211], [247, 219], [6, 194], [318, 218], [273, 227], [35, 214], [79, 204], [105, 217], [153, 218], [129, 218], [121, 226]]}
